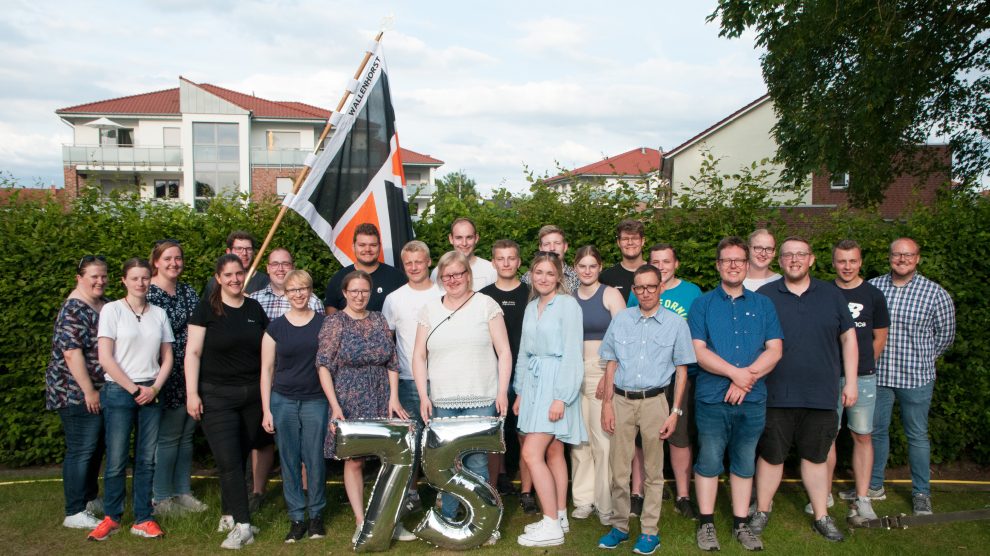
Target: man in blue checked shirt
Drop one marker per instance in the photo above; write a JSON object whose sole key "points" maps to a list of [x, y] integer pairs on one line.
{"points": [[647, 350], [922, 327]]}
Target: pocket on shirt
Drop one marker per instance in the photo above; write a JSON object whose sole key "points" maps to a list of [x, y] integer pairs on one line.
{"points": [[664, 348]]}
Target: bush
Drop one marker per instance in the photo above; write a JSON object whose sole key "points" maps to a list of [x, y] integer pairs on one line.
{"points": [[44, 241]]}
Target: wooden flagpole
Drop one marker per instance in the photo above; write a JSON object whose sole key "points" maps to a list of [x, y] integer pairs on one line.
{"points": [[305, 169]]}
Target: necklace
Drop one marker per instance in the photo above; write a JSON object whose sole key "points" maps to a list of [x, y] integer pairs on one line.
{"points": [[144, 310]]}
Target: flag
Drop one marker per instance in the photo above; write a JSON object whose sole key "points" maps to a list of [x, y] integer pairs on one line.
{"points": [[358, 177]]}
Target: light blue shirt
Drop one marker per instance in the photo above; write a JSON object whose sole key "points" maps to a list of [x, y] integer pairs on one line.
{"points": [[647, 348]]}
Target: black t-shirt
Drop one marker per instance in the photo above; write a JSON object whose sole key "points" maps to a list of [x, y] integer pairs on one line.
{"points": [[513, 304], [296, 377], [868, 309], [619, 278], [807, 375], [386, 280], [232, 347]]}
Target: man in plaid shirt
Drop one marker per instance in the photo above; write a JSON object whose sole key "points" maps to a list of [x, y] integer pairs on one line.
{"points": [[272, 297], [922, 327]]}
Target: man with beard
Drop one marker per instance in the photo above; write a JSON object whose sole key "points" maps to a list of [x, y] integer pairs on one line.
{"points": [[367, 248]]}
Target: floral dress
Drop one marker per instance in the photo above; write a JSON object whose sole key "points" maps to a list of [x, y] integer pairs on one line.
{"points": [[178, 307], [359, 355]]}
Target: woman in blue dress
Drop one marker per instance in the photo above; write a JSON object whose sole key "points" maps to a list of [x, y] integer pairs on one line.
{"points": [[548, 379]]}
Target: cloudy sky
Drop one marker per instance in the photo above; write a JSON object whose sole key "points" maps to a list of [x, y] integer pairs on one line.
{"points": [[491, 88]]}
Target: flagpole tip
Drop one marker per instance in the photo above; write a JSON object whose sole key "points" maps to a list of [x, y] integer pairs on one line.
{"points": [[388, 22]]}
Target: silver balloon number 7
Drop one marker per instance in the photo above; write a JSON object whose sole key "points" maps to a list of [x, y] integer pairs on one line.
{"points": [[445, 440]]}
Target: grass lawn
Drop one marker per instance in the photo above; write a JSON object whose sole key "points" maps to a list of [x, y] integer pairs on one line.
{"points": [[31, 515]]}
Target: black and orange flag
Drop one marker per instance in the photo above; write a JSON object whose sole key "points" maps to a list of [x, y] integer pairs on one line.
{"points": [[358, 177]]}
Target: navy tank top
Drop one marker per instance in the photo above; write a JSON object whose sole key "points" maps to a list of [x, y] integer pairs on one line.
{"points": [[596, 316]]}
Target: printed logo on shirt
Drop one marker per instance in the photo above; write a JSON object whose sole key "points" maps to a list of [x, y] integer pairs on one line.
{"points": [[508, 303], [856, 309], [380, 290]]}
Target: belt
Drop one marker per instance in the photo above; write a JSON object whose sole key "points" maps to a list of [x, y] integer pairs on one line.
{"points": [[639, 394]]}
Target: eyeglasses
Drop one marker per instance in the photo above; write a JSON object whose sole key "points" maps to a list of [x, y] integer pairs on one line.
{"points": [[652, 288], [242, 249], [733, 262], [83, 262], [630, 239], [763, 250], [358, 293], [297, 291], [453, 276], [907, 256], [281, 264], [799, 256]]}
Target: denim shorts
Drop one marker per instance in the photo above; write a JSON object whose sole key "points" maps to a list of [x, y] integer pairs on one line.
{"points": [[860, 415], [735, 429]]}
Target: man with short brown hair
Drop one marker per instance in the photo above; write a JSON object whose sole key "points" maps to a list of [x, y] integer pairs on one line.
{"points": [[386, 279]]}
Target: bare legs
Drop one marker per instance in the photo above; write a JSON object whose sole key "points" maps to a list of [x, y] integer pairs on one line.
{"points": [[544, 455]]}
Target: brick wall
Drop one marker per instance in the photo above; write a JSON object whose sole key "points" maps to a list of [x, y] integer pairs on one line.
{"points": [[906, 189], [263, 180], [73, 182]]}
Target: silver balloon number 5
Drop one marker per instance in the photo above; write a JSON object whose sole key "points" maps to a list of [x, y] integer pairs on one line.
{"points": [[445, 440], [394, 443]]}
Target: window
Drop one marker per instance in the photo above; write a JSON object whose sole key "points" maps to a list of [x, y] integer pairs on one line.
{"points": [[171, 137], [839, 181], [283, 140], [166, 189], [120, 137], [216, 160], [412, 177], [283, 186]]}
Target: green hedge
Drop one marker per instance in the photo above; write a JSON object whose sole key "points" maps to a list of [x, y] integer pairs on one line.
{"points": [[43, 242]]}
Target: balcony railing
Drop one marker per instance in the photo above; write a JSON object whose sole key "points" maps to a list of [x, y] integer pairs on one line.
{"points": [[115, 156]]}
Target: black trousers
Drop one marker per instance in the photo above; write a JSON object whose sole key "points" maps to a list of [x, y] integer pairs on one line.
{"points": [[231, 422]]}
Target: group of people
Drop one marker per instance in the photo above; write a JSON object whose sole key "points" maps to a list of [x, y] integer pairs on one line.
{"points": [[600, 364]]}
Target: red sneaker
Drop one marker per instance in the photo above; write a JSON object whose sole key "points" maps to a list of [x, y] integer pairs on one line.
{"points": [[149, 530], [103, 531]]}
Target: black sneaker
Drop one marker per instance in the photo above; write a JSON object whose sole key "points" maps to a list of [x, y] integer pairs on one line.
{"points": [[635, 505], [528, 503], [297, 532], [504, 485], [254, 501], [826, 527], [684, 507], [316, 529]]}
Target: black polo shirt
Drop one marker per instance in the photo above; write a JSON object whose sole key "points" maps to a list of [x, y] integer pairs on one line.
{"points": [[808, 374]]}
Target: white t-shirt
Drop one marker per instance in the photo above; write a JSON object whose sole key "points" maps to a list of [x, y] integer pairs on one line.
{"points": [[482, 271], [137, 345], [461, 362], [401, 309], [753, 284]]}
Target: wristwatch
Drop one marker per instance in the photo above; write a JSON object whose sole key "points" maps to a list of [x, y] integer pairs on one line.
{"points": [[677, 410]]}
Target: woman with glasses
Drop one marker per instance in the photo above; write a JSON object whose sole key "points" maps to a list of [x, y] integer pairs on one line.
{"points": [[462, 350], [136, 355], [295, 405], [549, 373], [590, 488], [173, 458], [73, 381], [223, 388], [359, 371]]}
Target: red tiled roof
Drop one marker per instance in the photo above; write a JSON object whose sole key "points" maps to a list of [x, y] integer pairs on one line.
{"points": [[636, 162], [167, 102], [413, 157], [719, 124]]}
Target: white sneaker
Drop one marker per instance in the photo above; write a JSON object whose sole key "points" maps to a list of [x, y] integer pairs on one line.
{"points": [[402, 534], [861, 511], [546, 533], [95, 506], [828, 504], [357, 532], [81, 520], [583, 511], [564, 525], [226, 524], [492, 539], [190, 503], [240, 536]]}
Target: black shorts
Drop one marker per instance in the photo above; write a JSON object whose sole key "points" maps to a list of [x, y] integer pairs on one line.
{"points": [[811, 431], [687, 430]]}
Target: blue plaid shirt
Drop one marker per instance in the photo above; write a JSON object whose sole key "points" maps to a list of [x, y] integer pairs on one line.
{"points": [[277, 305], [922, 327]]}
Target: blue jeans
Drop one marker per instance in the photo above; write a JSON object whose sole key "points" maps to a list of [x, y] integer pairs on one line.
{"points": [[300, 429], [83, 452], [476, 462], [914, 403], [173, 457], [723, 426], [119, 414]]}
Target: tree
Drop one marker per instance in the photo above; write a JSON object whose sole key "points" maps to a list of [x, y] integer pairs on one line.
{"points": [[858, 85], [457, 184]]}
